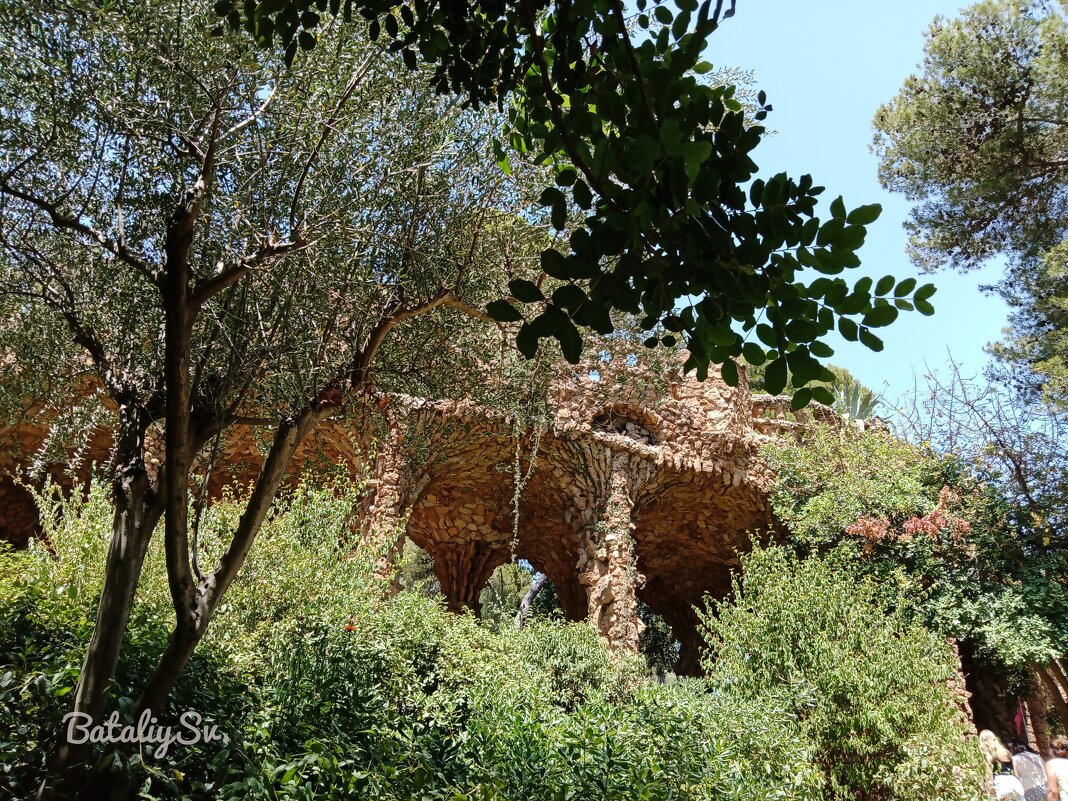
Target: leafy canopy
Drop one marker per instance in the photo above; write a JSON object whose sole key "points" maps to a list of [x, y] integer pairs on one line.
{"points": [[651, 170], [978, 139], [110, 118], [942, 528], [327, 691]]}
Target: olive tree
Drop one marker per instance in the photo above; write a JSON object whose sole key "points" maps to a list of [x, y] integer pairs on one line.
{"points": [[220, 238]]}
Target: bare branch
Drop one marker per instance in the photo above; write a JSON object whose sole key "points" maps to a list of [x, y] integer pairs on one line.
{"points": [[69, 223], [328, 127], [209, 287], [255, 115]]}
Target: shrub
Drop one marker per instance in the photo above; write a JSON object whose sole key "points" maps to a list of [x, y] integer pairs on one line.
{"points": [[870, 693], [933, 525], [327, 690]]}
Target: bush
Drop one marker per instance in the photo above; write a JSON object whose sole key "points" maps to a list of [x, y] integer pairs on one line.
{"points": [[934, 526], [326, 690], [871, 695]]}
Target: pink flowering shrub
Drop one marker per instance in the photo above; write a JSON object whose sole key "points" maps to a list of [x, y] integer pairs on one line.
{"points": [[878, 529]]}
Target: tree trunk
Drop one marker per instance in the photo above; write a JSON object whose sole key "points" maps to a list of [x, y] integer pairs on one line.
{"points": [[536, 586], [137, 512], [192, 621]]}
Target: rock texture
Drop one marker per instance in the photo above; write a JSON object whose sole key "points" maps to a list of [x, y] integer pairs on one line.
{"points": [[637, 487]]}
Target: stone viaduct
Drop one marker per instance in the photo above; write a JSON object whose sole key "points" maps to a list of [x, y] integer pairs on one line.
{"points": [[638, 487]]}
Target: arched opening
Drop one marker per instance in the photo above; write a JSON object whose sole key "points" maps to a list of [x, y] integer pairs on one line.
{"points": [[633, 423]]}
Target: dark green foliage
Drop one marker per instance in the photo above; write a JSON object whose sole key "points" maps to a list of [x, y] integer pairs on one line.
{"points": [[328, 691], [869, 694], [655, 186], [978, 139], [938, 528], [842, 392], [656, 643]]}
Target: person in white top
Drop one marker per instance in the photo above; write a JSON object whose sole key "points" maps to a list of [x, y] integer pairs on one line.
{"points": [[1030, 770], [1057, 769]]}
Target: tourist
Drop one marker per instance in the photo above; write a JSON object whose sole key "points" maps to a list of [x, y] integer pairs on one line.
{"points": [[999, 760], [1030, 770], [1057, 769]]}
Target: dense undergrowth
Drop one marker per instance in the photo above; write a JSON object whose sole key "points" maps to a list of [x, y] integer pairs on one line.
{"points": [[326, 690]]}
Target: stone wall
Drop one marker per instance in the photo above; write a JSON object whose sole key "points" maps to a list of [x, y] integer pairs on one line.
{"points": [[638, 487]]}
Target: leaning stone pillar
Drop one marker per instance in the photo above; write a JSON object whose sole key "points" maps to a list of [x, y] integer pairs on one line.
{"points": [[396, 487], [607, 563], [959, 686]]}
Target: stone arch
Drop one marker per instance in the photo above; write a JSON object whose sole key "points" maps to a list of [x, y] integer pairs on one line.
{"points": [[630, 421], [18, 513], [461, 514]]}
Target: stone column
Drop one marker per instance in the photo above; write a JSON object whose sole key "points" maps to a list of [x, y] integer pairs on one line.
{"points": [[607, 563], [463, 569], [396, 486], [959, 686]]}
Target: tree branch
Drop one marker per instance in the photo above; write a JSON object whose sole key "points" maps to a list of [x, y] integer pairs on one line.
{"points": [[328, 127], [69, 223], [206, 289]]}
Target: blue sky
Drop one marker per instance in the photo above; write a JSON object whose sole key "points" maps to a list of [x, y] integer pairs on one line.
{"points": [[826, 67]]}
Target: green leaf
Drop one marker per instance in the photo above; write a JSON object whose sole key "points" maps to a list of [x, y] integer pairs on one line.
{"points": [[559, 216], [886, 283], [823, 395], [821, 349], [864, 215], [775, 376], [767, 335], [880, 316], [525, 291], [582, 194], [803, 367], [716, 334], [566, 176], [569, 297], [695, 154], [527, 341], [801, 398], [905, 287], [729, 371], [554, 264], [570, 342], [925, 292], [595, 315], [847, 328], [503, 312], [550, 196], [838, 211], [870, 340], [754, 354], [924, 308]]}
